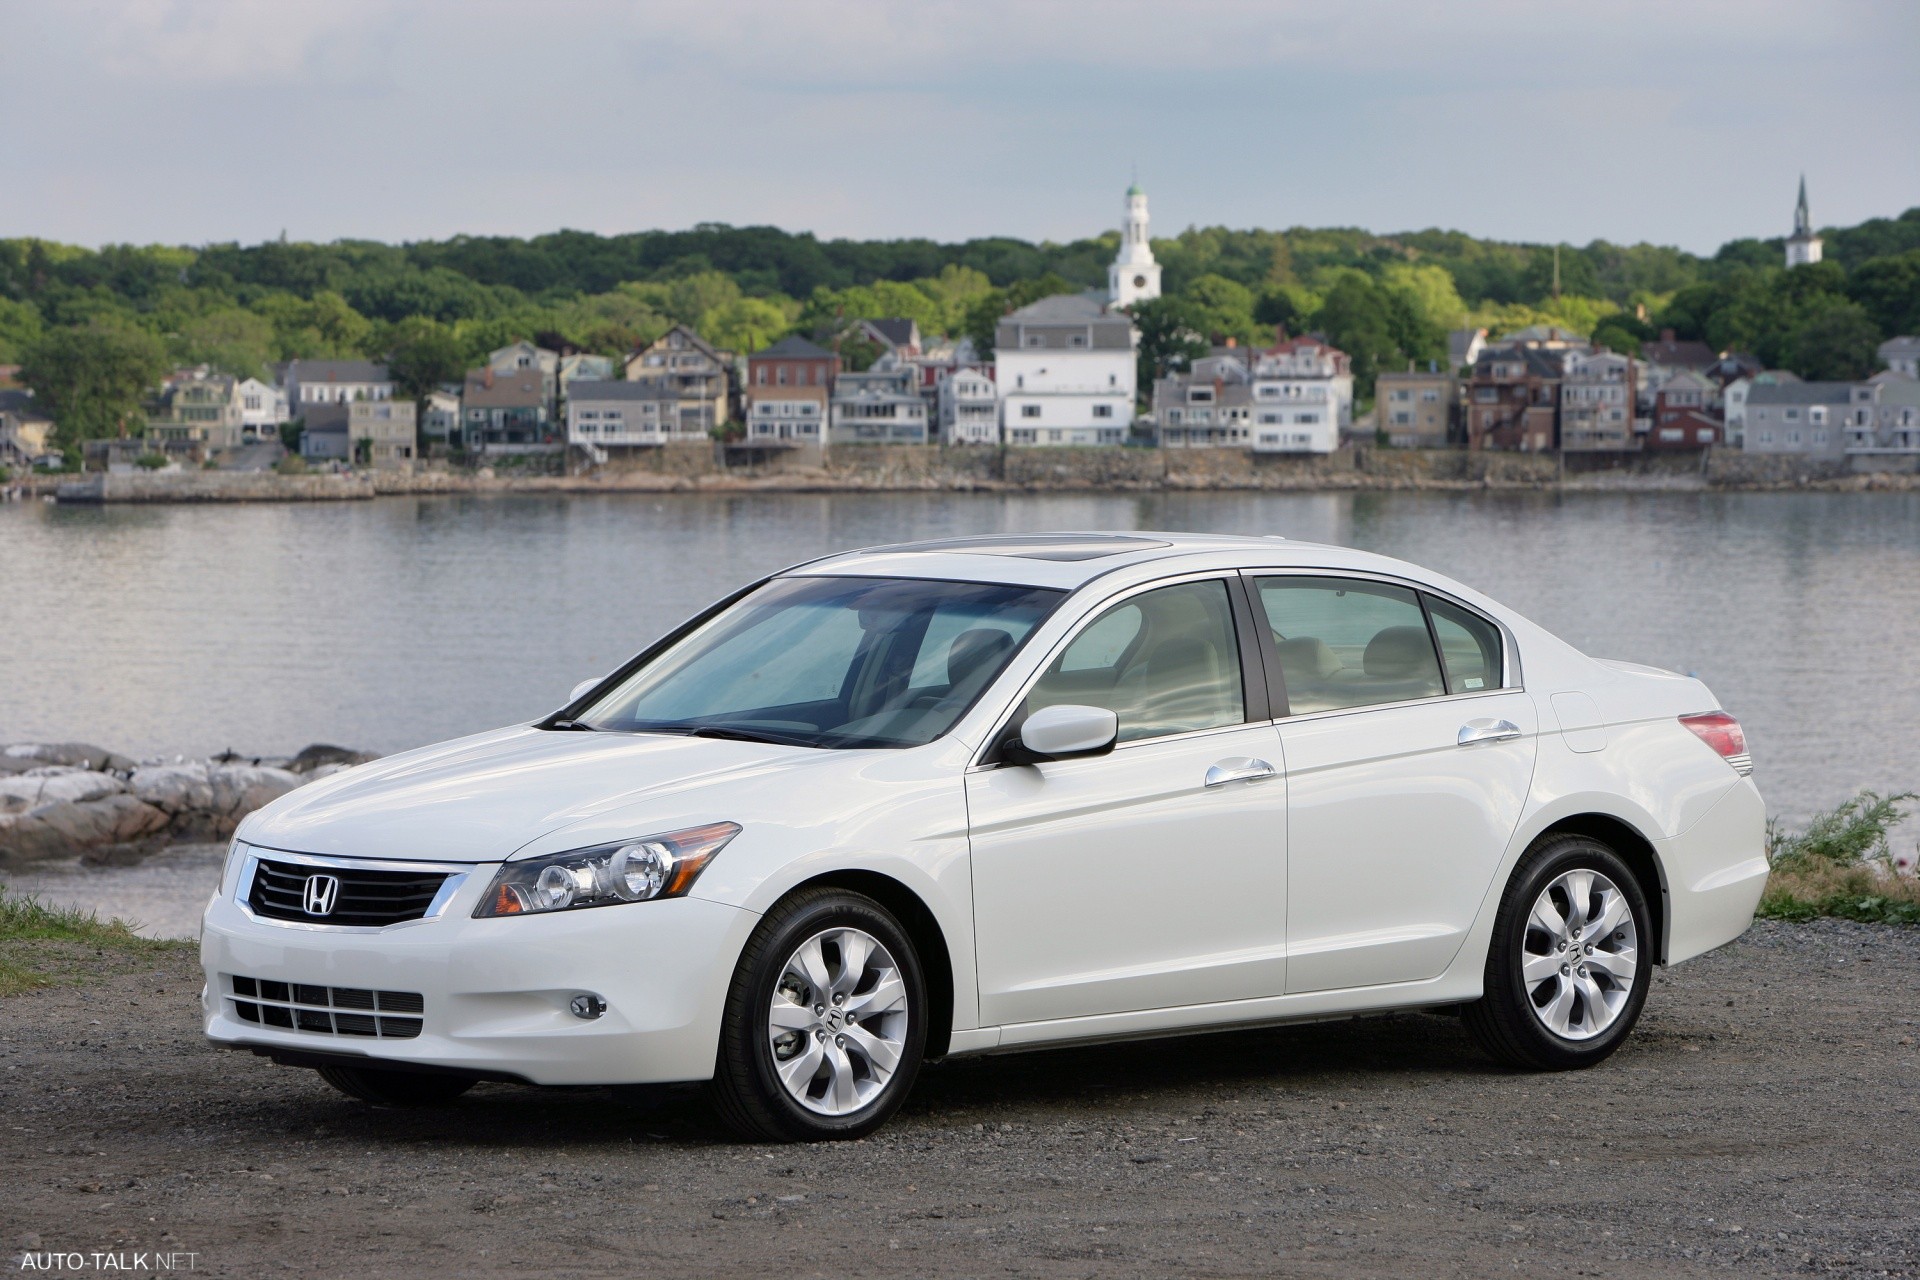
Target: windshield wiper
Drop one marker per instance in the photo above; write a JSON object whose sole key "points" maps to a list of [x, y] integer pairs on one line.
{"points": [[576, 726], [748, 735]]}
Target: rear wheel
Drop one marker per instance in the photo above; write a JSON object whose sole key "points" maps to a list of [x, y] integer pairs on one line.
{"points": [[825, 1022], [1569, 962], [397, 1088]]}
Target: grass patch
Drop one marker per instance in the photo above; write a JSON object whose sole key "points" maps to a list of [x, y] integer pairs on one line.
{"points": [[1842, 864], [42, 945]]}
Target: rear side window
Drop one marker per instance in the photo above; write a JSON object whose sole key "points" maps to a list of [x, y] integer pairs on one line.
{"points": [[1345, 642], [1469, 647]]}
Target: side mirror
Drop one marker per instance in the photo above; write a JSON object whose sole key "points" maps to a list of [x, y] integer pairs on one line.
{"points": [[580, 689], [1058, 733]]}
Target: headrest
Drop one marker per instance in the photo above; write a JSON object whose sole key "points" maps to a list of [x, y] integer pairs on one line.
{"points": [[981, 649], [1186, 653], [1307, 656], [1398, 652]]}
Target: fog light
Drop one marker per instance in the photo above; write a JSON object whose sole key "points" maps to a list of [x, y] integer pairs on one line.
{"points": [[588, 1006]]}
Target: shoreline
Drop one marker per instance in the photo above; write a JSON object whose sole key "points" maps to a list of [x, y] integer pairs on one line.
{"points": [[919, 469]]}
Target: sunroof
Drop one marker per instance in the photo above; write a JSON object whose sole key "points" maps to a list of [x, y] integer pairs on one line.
{"points": [[1041, 546]]}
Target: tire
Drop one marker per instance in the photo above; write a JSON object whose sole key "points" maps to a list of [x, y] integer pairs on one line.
{"points": [[1549, 1009], [830, 995], [397, 1088]]}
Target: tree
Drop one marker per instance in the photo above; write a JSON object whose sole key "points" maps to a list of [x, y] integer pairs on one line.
{"points": [[1221, 308], [232, 340], [1358, 317], [1889, 288], [1171, 337], [744, 325], [422, 354], [1832, 343], [93, 378], [19, 326]]}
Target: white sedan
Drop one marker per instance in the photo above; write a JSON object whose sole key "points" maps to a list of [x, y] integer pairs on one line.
{"points": [[986, 794]]}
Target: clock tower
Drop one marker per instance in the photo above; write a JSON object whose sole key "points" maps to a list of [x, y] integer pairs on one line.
{"points": [[1134, 275]]}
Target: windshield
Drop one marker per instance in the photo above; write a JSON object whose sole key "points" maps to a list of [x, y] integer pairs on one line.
{"points": [[830, 662]]}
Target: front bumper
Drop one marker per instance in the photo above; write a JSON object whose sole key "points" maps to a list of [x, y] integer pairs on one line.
{"points": [[496, 994]]}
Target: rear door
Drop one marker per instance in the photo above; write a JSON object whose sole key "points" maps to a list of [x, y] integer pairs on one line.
{"points": [[1409, 751]]}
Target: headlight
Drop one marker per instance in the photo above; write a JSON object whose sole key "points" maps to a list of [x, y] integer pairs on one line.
{"points": [[641, 870]]}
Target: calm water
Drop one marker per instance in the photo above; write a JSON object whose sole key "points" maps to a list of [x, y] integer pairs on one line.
{"points": [[396, 622]]}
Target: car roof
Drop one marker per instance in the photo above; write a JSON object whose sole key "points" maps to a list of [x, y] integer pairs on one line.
{"points": [[1068, 560]]}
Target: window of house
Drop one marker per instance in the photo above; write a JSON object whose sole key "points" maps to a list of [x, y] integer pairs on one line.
{"points": [[1077, 340], [1346, 642], [1166, 661], [1103, 411], [1034, 340], [1029, 410]]}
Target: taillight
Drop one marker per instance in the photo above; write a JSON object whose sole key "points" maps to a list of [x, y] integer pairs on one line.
{"points": [[1723, 733]]}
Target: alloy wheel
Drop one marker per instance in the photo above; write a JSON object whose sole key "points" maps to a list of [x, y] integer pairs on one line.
{"points": [[837, 1022], [1580, 955]]}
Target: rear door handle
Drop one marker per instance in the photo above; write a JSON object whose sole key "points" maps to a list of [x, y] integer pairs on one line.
{"points": [[1238, 769], [1488, 731]]}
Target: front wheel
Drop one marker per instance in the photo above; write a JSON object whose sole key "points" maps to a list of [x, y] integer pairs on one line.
{"points": [[1570, 960], [825, 1022]]}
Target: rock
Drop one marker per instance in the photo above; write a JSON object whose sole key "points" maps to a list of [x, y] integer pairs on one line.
{"points": [[239, 789], [174, 788], [80, 754], [21, 792], [311, 758], [61, 830]]}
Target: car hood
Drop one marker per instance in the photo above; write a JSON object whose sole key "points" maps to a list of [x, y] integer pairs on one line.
{"points": [[480, 799]]}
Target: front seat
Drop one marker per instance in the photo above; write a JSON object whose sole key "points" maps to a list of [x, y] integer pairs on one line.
{"points": [[973, 658]]}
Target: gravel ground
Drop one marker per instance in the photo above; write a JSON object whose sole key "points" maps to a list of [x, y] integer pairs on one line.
{"points": [[1761, 1121]]}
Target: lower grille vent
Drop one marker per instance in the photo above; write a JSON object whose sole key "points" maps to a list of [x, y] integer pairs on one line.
{"points": [[337, 1011]]}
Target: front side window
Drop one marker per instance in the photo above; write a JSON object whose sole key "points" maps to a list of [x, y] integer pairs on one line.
{"points": [[1346, 642], [830, 662], [1165, 661]]}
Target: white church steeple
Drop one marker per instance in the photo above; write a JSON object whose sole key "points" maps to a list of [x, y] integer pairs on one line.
{"points": [[1803, 246], [1134, 275]]}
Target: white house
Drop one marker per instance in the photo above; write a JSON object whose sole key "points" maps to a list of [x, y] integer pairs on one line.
{"points": [[605, 417], [1065, 371], [969, 408], [1302, 397], [1134, 275], [262, 407], [1902, 355], [312, 383]]}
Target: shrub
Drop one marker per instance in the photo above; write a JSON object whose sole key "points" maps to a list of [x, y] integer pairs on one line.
{"points": [[1841, 865], [150, 461]]}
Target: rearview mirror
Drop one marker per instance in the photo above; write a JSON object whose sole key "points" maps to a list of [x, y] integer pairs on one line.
{"points": [[1056, 733], [580, 690]]}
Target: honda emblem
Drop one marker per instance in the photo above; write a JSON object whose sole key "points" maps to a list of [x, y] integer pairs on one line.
{"points": [[322, 893]]}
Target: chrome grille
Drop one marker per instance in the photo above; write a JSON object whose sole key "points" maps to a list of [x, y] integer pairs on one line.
{"points": [[366, 896], [334, 1011]]}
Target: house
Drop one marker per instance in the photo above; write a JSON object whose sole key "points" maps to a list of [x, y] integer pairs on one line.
{"points": [[1689, 429], [1803, 247], [698, 372], [197, 410], [1807, 418], [788, 385], [26, 434], [880, 405], [582, 367], [381, 434], [1302, 396], [1133, 276], [263, 408], [967, 407], [1684, 391], [1733, 401], [523, 357], [792, 362], [1731, 366], [1210, 405], [1415, 409], [607, 418], [1546, 337], [1065, 369], [1670, 355], [310, 383], [1597, 401], [1901, 355], [1464, 347], [441, 419], [1893, 438], [505, 411], [1513, 399], [899, 335]]}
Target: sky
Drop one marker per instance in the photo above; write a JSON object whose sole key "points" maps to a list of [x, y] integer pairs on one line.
{"points": [[1686, 123]]}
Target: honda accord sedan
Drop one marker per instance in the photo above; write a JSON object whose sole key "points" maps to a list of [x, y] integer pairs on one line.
{"points": [[986, 794]]}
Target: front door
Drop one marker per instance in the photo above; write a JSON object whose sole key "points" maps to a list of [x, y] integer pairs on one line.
{"points": [[1408, 761], [1154, 876]]}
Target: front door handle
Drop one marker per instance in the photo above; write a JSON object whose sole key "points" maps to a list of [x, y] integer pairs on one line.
{"points": [[1488, 731], [1238, 769]]}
